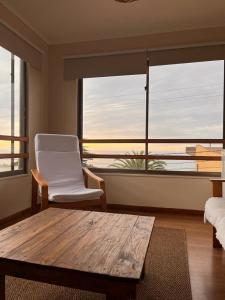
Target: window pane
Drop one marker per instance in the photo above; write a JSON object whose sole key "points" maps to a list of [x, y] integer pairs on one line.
{"points": [[5, 147], [135, 149], [186, 100], [12, 108], [121, 164], [5, 165], [5, 92], [114, 107], [189, 150], [189, 166], [114, 148], [18, 164]]}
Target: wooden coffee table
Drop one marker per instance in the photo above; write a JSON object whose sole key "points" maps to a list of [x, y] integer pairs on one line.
{"points": [[94, 251]]}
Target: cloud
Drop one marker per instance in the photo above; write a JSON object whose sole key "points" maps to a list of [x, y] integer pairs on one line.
{"points": [[186, 101]]}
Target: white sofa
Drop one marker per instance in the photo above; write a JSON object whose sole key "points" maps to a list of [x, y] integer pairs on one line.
{"points": [[215, 213]]}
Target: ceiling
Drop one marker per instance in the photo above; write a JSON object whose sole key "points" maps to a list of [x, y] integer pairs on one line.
{"points": [[60, 21]]}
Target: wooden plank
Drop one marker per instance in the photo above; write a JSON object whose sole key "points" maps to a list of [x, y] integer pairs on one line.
{"points": [[96, 252], [162, 157], [38, 243], [14, 236], [152, 141], [130, 260], [50, 253], [14, 138], [16, 155], [106, 252], [80, 240]]}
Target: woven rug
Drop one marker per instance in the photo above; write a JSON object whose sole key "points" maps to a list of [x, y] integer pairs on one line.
{"points": [[166, 277]]}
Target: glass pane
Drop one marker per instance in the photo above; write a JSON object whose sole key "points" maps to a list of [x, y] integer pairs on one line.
{"points": [[136, 149], [5, 92], [189, 150], [123, 164], [114, 148], [11, 107], [114, 107], [191, 166], [18, 164], [5, 165], [5, 147], [186, 100]]}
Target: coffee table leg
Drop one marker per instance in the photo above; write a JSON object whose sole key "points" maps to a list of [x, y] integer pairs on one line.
{"points": [[2, 287]]}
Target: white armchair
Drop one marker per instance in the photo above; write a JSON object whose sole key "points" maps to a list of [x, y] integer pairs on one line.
{"points": [[59, 178]]}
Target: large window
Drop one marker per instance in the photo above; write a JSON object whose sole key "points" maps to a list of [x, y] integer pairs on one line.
{"points": [[169, 120], [12, 114]]}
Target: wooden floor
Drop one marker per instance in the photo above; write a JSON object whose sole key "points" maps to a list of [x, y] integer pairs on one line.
{"points": [[207, 265]]}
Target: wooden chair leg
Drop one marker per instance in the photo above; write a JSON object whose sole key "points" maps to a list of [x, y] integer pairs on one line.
{"points": [[104, 205], [103, 197], [44, 198], [34, 196], [216, 243]]}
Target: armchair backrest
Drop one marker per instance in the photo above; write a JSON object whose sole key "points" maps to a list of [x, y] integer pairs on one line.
{"points": [[58, 158]]}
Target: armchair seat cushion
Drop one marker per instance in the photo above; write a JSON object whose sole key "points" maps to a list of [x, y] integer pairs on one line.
{"points": [[72, 193]]}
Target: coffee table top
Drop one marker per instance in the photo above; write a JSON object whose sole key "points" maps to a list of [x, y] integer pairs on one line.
{"points": [[94, 242]]}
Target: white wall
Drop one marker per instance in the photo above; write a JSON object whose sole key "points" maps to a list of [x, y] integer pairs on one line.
{"points": [[184, 192], [15, 192]]}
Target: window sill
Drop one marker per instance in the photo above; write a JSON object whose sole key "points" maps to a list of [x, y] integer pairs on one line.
{"points": [[17, 176], [158, 174]]}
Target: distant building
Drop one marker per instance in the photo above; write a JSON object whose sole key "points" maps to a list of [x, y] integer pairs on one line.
{"points": [[204, 165]]}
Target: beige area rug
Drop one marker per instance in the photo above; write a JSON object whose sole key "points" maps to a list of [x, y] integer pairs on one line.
{"points": [[166, 277]]}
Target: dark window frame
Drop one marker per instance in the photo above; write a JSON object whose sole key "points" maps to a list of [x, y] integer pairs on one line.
{"points": [[23, 155], [145, 141]]}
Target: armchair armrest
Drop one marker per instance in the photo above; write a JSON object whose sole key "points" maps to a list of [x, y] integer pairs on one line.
{"points": [[100, 182], [217, 186], [38, 180], [88, 174]]}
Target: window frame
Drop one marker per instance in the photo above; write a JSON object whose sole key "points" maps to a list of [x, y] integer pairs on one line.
{"points": [[23, 139], [146, 141]]}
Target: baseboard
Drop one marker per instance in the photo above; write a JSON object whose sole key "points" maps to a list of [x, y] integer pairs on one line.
{"points": [[149, 209], [15, 217]]}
